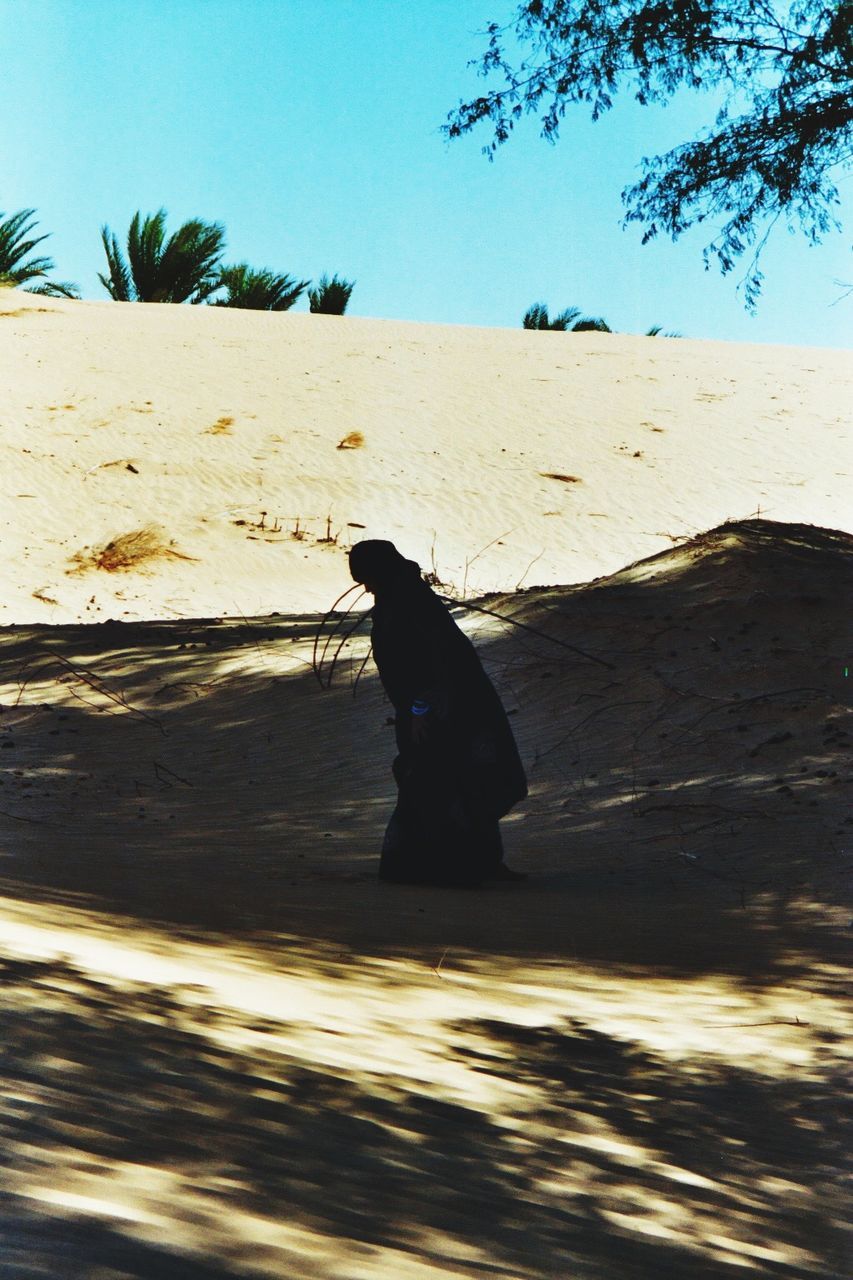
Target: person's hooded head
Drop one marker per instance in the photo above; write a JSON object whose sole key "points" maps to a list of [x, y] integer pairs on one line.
{"points": [[378, 565]]}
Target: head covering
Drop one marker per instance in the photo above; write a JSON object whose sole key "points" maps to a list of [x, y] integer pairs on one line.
{"points": [[378, 564]]}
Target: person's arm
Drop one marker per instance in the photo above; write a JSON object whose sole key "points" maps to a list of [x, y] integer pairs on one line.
{"points": [[431, 701]]}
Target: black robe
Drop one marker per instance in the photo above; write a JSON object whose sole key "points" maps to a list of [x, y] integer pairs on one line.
{"points": [[456, 784]]}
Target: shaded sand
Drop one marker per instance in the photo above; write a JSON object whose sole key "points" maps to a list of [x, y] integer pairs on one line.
{"points": [[236, 454], [230, 1051]]}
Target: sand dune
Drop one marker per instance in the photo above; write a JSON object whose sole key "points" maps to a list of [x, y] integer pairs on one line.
{"points": [[230, 1051], [495, 457]]}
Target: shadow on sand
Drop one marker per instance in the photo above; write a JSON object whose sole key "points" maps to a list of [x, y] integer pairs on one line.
{"points": [[688, 820], [613, 1162]]}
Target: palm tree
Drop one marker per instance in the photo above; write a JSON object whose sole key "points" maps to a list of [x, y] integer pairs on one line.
{"points": [[184, 268], [330, 297], [14, 248], [258, 290], [657, 330], [591, 324], [536, 317]]}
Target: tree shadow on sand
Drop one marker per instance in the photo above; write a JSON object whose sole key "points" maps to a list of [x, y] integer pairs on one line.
{"points": [[688, 818], [173, 771], [610, 1161]]}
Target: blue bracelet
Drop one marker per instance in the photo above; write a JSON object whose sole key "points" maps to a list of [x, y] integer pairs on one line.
{"points": [[419, 708]]}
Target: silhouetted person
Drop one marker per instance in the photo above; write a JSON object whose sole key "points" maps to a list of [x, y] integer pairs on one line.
{"points": [[458, 770]]}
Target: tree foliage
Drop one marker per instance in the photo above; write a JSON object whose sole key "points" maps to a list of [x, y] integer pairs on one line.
{"points": [[186, 267], [17, 267], [536, 317], [591, 324], [784, 131], [261, 290], [330, 297]]}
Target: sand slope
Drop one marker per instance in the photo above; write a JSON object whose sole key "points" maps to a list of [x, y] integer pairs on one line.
{"points": [[705, 730], [233, 1052], [496, 457]]}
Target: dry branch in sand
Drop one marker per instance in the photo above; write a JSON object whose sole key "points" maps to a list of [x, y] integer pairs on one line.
{"points": [[44, 663], [127, 551]]}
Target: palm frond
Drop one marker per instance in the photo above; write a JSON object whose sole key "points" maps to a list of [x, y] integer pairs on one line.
{"points": [[29, 270], [205, 290], [258, 290], [117, 282], [536, 317], [183, 268], [14, 248], [330, 297], [189, 267], [591, 324], [144, 251], [56, 289], [565, 318]]}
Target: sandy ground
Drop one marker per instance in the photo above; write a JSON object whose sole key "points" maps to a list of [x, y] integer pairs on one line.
{"points": [[208, 440], [227, 1049]]}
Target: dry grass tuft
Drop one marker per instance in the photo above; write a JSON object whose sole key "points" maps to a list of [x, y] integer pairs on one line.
{"points": [[355, 440], [23, 311], [128, 551], [221, 427]]}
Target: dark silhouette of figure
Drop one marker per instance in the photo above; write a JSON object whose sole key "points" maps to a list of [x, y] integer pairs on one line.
{"points": [[458, 770]]}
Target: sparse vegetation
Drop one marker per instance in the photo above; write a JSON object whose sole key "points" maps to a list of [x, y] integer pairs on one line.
{"points": [[329, 538], [299, 531], [127, 551], [260, 525]]}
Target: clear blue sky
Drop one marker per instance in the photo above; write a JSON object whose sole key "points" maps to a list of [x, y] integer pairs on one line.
{"points": [[310, 128]]}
